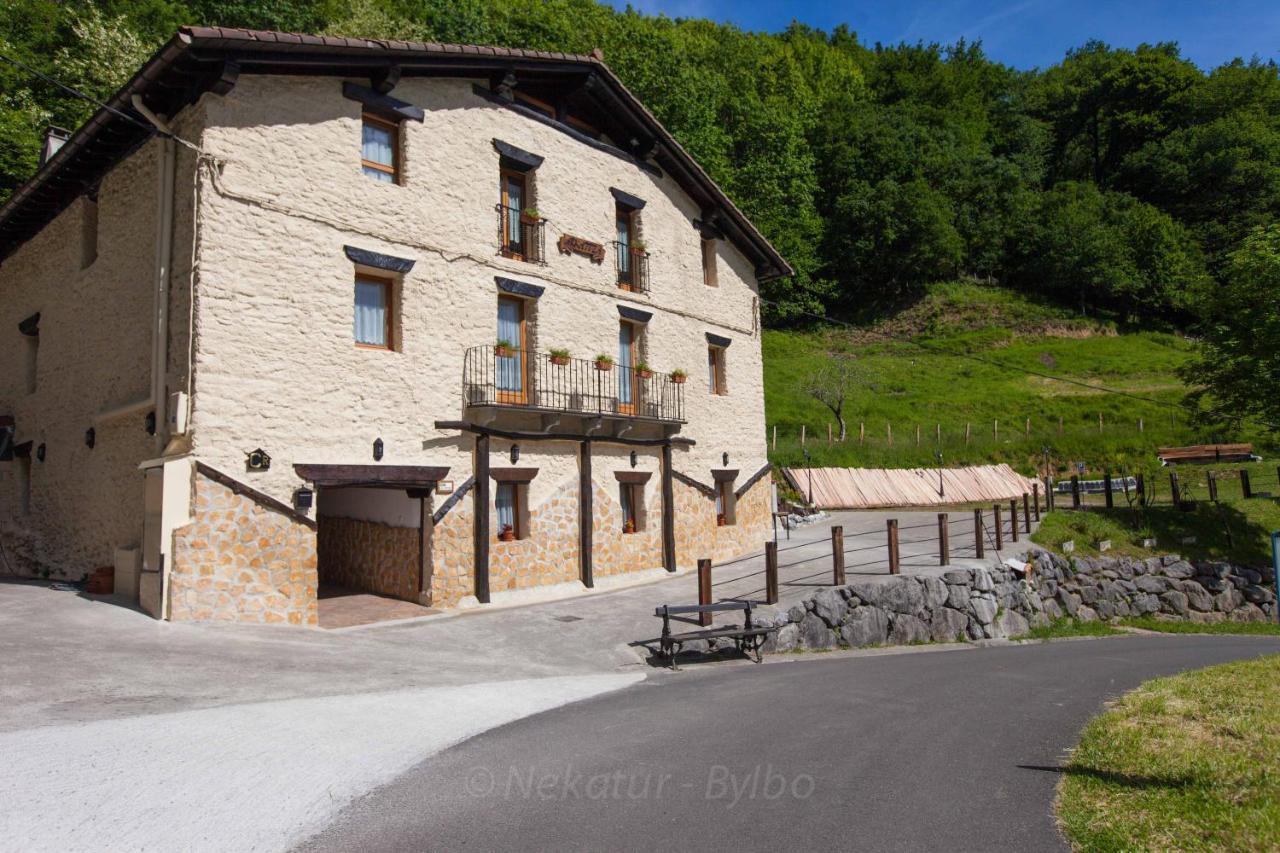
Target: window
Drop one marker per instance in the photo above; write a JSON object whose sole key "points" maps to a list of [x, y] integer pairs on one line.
{"points": [[380, 149], [724, 503], [372, 324], [631, 496], [630, 249], [508, 501], [715, 370], [628, 358], [513, 187], [511, 363], [709, 275], [89, 232]]}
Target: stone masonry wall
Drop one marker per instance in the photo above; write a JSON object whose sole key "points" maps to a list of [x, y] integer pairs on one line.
{"points": [[369, 556], [238, 561], [973, 604]]}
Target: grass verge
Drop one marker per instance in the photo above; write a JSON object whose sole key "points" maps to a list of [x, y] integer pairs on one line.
{"points": [[1065, 626], [1190, 762], [1146, 623]]}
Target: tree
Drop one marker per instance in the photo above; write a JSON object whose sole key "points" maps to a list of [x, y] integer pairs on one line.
{"points": [[1238, 368], [832, 384]]}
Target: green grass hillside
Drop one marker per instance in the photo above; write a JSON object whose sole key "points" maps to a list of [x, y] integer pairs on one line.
{"points": [[908, 373]]}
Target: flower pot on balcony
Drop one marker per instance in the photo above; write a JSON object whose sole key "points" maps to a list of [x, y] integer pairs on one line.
{"points": [[679, 378], [721, 520], [502, 351], [604, 366], [559, 360], [506, 534], [643, 374], [629, 527]]}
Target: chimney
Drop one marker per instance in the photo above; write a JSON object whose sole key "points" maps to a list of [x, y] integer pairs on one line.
{"points": [[54, 138]]}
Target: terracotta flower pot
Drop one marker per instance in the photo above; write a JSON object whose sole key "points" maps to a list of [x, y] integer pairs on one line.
{"points": [[504, 352], [644, 374], [679, 379], [721, 520], [560, 360], [507, 535], [604, 366]]}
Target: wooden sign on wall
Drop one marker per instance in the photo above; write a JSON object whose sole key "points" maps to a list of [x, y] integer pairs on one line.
{"points": [[569, 245]]}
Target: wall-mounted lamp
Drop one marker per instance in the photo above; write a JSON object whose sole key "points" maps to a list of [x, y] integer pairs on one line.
{"points": [[258, 460], [40, 452], [377, 450], [303, 498], [90, 437], [515, 453], [724, 458], [633, 459], [150, 423]]}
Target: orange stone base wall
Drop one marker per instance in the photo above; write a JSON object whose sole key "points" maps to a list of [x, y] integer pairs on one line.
{"points": [[698, 535], [368, 556], [241, 562]]}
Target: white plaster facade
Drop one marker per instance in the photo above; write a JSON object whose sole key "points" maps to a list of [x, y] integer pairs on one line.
{"points": [[265, 214]]}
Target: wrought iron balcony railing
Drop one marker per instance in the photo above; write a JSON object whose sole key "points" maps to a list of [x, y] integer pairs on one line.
{"points": [[524, 379], [519, 236], [632, 265]]}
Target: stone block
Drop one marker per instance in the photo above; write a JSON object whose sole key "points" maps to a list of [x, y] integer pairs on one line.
{"points": [[908, 629], [947, 625], [865, 626]]}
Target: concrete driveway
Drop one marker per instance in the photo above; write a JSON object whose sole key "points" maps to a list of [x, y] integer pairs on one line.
{"points": [[955, 749]]}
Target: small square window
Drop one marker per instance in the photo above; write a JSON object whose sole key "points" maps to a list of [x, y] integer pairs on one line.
{"points": [[373, 309], [710, 277], [380, 149], [508, 502], [631, 496], [715, 371], [725, 508]]}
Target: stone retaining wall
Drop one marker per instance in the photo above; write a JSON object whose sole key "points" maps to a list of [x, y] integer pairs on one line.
{"points": [[994, 602]]}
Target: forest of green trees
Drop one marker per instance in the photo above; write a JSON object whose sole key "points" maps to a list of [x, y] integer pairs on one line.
{"points": [[1117, 181]]}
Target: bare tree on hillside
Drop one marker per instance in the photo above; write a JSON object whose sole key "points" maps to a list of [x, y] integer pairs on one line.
{"points": [[832, 384]]}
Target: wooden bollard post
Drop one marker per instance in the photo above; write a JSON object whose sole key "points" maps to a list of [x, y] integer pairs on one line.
{"points": [[892, 525], [1026, 513], [1140, 486], [1013, 519], [1106, 490], [999, 526], [803, 430], [771, 573], [1035, 499], [775, 436], [944, 540], [977, 534], [1173, 488], [837, 555], [1075, 491], [1213, 486], [862, 432], [704, 589], [1245, 488], [1050, 499]]}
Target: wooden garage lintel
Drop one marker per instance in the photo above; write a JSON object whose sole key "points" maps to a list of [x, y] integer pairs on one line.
{"points": [[395, 476], [517, 435]]}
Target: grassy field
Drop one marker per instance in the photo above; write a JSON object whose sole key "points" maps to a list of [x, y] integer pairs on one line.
{"points": [[902, 385], [1190, 762], [1238, 530]]}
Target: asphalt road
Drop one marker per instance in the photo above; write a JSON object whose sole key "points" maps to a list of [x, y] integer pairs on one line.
{"points": [[925, 750]]}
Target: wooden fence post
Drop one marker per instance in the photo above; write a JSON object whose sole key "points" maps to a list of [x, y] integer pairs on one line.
{"points": [[770, 572], [1026, 513], [1245, 488], [1106, 489], [944, 540], [1173, 488], [1050, 498], [704, 589], [1075, 491], [967, 429], [1028, 426], [999, 528], [1213, 486], [837, 554], [862, 432], [977, 533], [775, 436], [995, 430], [917, 435], [1013, 519], [1140, 486], [802, 434], [892, 525], [1035, 497], [889, 431]]}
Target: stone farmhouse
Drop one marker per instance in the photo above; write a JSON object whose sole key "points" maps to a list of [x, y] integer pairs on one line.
{"points": [[435, 322]]}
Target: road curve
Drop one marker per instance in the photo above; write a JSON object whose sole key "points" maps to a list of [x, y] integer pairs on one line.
{"points": [[928, 750]]}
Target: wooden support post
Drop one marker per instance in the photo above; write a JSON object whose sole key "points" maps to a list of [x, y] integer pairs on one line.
{"points": [[668, 512], [1013, 519], [837, 554], [771, 572], [426, 530], [1075, 491], [802, 434], [1213, 486], [775, 436], [1106, 490], [586, 520], [978, 549], [862, 432], [1035, 499], [704, 589], [892, 525], [999, 528], [968, 427], [944, 540], [1026, 513], [480, 520], [1245, 489], [1173, 488], [1140, 486], [1050, 497]]}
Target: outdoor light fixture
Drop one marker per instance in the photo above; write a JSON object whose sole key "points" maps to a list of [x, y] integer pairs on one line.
{"points": [[377, 450], [90, 438], [258, 460], [40, 452], [942, 491], [633, 459], [724, 458], [515, 453], [302, 499], [150, 423]]}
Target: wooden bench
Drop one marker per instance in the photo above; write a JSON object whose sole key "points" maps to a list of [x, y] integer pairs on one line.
{"points": [[747, 637]]}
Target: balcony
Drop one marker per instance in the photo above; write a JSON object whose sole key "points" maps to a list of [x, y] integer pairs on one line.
{"points": [[519, 236], [539, 382], [632, 265]]}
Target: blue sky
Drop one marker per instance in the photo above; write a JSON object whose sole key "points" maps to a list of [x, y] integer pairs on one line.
{"points": [[1022, 33]]}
